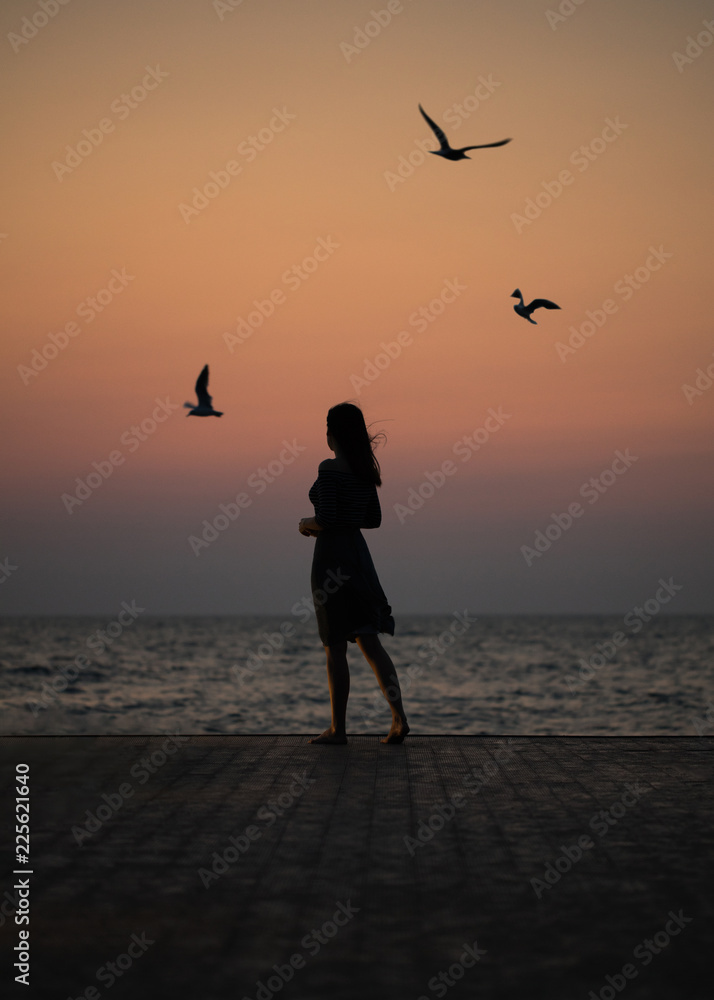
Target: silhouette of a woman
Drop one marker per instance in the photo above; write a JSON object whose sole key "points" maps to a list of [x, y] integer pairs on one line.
{"points": [[350, 604]]}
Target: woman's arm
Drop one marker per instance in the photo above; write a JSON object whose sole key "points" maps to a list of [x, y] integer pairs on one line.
{"points": [[373, 513], [325, 503]]}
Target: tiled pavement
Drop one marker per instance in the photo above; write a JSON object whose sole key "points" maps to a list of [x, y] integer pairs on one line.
{"points": [[125, 834]]}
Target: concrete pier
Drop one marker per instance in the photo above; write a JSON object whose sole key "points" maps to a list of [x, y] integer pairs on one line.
{"points": [[214, 867]]}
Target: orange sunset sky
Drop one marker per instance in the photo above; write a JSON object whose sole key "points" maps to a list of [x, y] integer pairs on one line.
{"points": [[124, 274]]}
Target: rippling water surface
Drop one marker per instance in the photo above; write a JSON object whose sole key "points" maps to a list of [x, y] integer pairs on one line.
{"points": [[492, 675]]}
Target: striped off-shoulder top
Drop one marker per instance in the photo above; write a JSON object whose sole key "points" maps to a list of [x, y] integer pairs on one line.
{"points": [[343, 500]]}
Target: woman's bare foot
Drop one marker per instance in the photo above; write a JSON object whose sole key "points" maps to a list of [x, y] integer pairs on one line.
{"points": [[397, 733], [329, 736]]}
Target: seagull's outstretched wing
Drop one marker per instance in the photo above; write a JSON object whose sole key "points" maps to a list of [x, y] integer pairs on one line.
{"points": [[443, 141], [202, 388], [542, 304], [487, 145]]}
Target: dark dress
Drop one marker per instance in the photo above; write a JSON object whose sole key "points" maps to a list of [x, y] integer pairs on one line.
{"points": [[346, 591]]}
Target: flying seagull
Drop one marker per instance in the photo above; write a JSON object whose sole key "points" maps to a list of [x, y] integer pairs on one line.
{"points": [[204, 408], [446, 151], [525, 310]]}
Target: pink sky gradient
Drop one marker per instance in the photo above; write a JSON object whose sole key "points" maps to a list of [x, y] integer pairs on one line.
{"points": [[331, 129]]}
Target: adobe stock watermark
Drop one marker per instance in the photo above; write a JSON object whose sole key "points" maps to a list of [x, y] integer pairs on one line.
{"points": [[268, 814], [274, 642], [454, 116], [441, 983], [702, 382], [112, 802], [364, 36], [7, 569], [626, 288], [433, 648], [694, 47], [443, 812], [230, 511], [312, 942], [600, 824], [87, 310], [430, 650], [121, 107], [705, 723], [634, 621], [31, 26], [132, 438], [565, 10], [99, 641], [581, 158], [419, 320], [110, 972], [592, 490], [223, 7], [465, 448], [293, 277], [645, 952], [248, 149]]}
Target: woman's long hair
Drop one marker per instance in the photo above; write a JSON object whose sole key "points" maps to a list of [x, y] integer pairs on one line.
{"points": [[345, 422]]}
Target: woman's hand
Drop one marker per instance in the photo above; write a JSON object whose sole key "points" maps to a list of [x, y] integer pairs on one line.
{"points": [[309, 526]]}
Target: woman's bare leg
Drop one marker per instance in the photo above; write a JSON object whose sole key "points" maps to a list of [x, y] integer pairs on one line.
{"points": [[338, 678], [386, 674]]}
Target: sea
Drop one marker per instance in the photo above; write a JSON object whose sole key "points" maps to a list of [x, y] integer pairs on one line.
{"points": [[459, 673]]}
